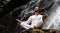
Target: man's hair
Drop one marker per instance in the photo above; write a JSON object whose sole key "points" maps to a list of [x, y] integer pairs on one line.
{"points": [[37, 5]]}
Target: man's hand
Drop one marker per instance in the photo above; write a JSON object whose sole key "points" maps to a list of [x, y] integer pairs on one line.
{"points": [[18, 20]]}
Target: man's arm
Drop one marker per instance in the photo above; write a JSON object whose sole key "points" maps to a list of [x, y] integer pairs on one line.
{"points": [[28, 21], [19, 20]]}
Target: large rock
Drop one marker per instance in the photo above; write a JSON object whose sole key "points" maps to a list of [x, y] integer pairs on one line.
{"points": [[39, 31]]}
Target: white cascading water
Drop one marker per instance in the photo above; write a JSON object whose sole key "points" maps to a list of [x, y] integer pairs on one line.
{"points": [[53, 20]]}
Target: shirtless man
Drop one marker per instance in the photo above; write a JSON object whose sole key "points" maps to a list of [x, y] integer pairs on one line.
{"points": [[36, 20]]}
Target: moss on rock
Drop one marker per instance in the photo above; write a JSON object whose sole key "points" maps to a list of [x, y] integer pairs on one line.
{"points": [[39, 31]]}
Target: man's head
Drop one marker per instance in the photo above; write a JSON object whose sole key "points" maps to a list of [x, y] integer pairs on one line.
{"points": [[36, 9]]}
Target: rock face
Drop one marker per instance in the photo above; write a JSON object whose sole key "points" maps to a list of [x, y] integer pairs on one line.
{"points": [[39, 31]]}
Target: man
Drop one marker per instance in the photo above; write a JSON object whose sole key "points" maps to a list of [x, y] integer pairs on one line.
{"points": [[36, 20]]}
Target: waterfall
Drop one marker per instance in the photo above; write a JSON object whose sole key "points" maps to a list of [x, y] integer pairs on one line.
{"points": [[53, 20]]}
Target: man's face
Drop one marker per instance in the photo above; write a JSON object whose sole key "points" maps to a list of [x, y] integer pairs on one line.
{"points": [[36, 9]]}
